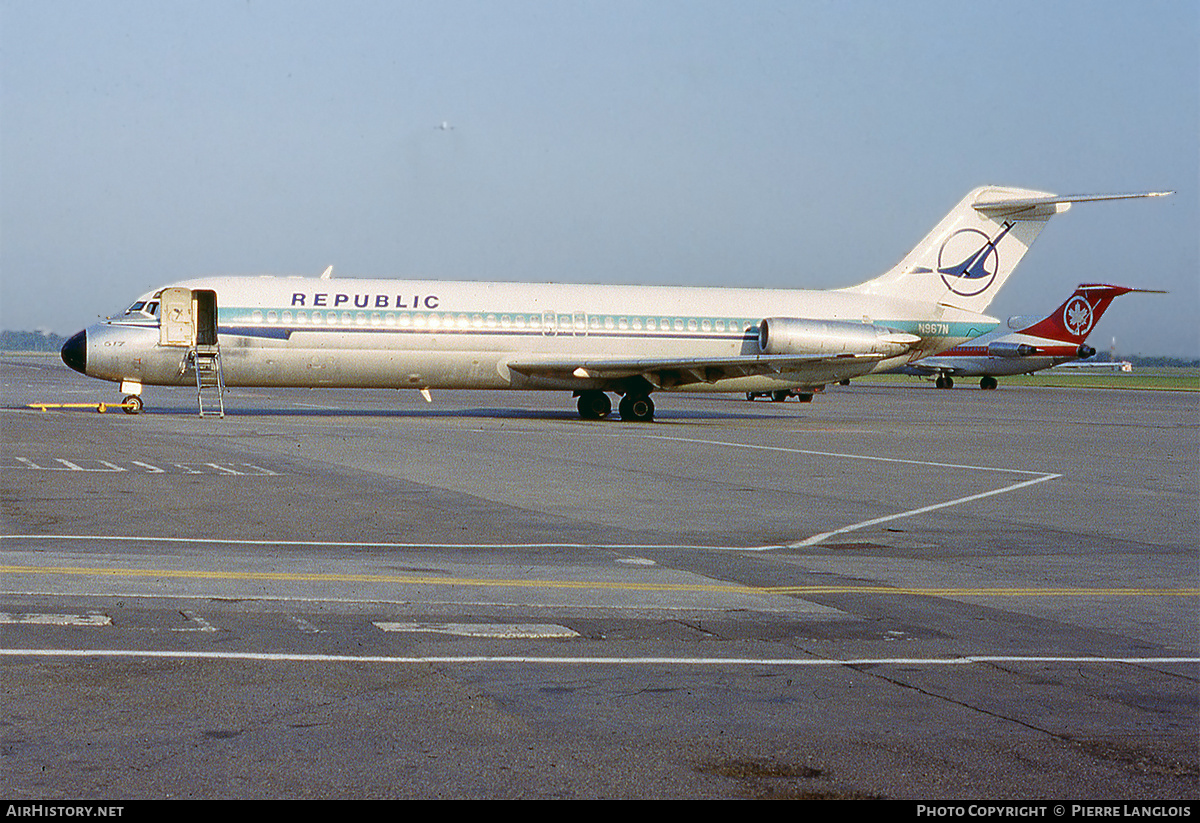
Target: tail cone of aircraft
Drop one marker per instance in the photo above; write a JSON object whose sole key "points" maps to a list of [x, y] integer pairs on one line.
{"points": [[74, 352]]}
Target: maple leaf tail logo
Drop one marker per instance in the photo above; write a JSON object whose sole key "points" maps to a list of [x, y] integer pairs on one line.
{"points": [[1077, 317]]}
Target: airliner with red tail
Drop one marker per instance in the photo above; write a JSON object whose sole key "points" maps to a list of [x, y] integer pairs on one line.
{"points": [[1025, 344]]}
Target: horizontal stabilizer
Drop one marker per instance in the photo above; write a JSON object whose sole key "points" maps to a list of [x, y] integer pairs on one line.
{"points": [[970, 254], [1035, 208]]}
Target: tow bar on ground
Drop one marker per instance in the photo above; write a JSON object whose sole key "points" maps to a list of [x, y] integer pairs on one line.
{"points": [[130, 408]]}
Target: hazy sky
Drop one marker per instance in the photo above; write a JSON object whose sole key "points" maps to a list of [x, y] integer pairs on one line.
{"points": [[782, 144]]}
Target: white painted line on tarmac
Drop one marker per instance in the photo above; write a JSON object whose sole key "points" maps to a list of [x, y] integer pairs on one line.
{"points": [[222, 541], [819, 538], [75, 467], [1038, 477], [196, 623], [108, 466], [305, 626], [56, 619], [789, 450], [687, 608], [149, 469], [292, 657], [531, 631]]}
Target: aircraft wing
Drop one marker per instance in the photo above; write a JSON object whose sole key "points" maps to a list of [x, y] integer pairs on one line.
{"points": [[670, 372], [950, 366]]}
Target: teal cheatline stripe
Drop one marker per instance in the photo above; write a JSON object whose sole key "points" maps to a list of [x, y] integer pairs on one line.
{"points": [[252, 323]]}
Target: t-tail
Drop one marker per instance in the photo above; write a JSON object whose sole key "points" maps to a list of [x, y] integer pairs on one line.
{"points": [[968, 256], [1074, 320]]}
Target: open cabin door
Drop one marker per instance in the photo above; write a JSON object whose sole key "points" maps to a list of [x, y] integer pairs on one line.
{"points": [[204, 305], [189, 318], [178, 326]]}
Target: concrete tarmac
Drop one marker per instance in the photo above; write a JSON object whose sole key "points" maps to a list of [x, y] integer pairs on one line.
{"points": [[893, 591]]}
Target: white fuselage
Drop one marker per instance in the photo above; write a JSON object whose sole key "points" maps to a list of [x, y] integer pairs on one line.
{"points": [[972, 359], [284, 331], [993, 366]]}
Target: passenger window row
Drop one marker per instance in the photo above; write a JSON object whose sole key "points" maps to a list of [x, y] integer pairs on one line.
{"points": [[548, 323]]}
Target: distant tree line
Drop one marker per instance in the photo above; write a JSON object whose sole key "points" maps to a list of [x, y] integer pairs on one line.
{"points": [[30, 341], [1146, 362], [1162, 362]]}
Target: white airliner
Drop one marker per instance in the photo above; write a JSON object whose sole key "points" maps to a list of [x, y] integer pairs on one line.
{"points": [[1028, 344], [629, 340]]}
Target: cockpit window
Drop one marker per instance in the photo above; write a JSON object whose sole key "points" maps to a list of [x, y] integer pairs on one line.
{"points": [[147, 309]]}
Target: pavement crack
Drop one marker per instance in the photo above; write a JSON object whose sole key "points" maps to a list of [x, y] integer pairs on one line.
{"points": [[961, 703]]}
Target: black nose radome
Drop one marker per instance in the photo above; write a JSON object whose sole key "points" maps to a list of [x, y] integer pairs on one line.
{"points": [[74, 352]]}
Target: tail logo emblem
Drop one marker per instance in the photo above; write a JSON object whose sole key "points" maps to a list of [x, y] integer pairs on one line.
{"points": [[968, 261], [1078, 317]]}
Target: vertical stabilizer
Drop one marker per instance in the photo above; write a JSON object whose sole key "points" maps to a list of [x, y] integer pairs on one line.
{"points": [[970, 254], [1074, 320]]}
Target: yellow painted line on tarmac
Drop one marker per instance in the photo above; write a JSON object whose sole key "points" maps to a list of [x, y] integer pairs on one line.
{"points": [[407, 580], [564, 660]]}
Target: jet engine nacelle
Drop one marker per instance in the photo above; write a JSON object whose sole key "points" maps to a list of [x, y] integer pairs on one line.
{"points": [[794, 335], [1002, 349]]}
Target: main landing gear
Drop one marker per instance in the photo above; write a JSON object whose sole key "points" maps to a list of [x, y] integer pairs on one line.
{"points": [[635, 407], [987, 382], [594, 405]]}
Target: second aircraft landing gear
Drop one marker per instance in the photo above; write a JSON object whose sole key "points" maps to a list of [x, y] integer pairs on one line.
{"points": [[944, 382], [987, 383]]}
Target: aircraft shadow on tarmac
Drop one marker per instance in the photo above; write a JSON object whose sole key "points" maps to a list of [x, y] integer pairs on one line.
{"points": [[663, 417], [668, 417]]}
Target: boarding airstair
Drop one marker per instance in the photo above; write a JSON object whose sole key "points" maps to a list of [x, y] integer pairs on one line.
{"points": [[205, 360], [189, 320]]}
